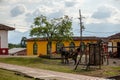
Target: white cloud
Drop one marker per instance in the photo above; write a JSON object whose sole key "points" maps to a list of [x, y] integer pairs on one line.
{"points": [[101, 29], [18, 10], [102, 13], [20, 1], [1, 1], [116, 0], [43, 10], [57, 14], [115, 17], [70, 3], [105, 13], [19, 24]]}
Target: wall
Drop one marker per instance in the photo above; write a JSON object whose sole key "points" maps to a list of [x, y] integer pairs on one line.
{"points": [[114, 42], [30, 48], [4, 38], [42, 46], [3, 42]]}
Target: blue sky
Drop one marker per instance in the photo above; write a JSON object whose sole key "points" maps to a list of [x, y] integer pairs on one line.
{"points": [[102, 17]]}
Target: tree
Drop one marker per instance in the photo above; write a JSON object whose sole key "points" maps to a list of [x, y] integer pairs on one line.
{"points": [[58, 29]]}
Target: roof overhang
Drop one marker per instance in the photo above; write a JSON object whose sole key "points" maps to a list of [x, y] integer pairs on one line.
{"points": [[4, 27]]}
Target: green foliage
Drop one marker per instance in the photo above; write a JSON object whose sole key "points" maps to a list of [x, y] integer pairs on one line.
{"points": [[58, 29], [41, 63], [64, 29], [44, 56], [10, 45], [55, 29]]}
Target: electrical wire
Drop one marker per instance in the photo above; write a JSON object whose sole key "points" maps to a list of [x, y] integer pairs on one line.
{"points": [[77, 31]]}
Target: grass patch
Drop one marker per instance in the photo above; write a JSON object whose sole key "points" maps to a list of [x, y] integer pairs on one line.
{"points": [[38, 63], [9, 75], [56, 65]]}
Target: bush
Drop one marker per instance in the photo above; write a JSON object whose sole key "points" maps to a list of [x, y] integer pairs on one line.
{"points": [[44, 56]]}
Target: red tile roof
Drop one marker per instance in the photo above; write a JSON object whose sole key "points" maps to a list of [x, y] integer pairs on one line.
{"points": [[4, 27]]}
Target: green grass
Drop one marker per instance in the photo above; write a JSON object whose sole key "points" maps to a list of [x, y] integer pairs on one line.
{"points": [[56, 65], [38, 63], [9, 75], [112, 71]]}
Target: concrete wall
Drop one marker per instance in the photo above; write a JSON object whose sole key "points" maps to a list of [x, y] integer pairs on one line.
{"points": [[4, 39]]}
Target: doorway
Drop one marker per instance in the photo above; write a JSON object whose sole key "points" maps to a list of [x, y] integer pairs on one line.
{"points": [[118, 49]]}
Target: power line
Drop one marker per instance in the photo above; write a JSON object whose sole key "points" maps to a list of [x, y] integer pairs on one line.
{"points": [[101, 32], [17, 26], [77, 31]]}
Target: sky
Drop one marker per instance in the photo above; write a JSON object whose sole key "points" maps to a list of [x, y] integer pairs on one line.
{"points": [[100, 17]]}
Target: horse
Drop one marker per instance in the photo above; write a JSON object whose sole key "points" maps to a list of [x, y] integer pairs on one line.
{"points": [[65, 55]]}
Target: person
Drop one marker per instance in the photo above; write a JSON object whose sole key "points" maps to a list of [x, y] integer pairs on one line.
{"points": [[110, 53]]}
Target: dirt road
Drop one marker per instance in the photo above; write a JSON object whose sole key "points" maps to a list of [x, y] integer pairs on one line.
{"points": [[46, 74]]}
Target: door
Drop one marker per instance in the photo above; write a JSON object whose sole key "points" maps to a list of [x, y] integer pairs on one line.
{"points": [[110, 47], [118, 49]]}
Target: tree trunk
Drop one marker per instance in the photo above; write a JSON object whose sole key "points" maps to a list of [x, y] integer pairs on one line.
{"points": [[50, 48]]}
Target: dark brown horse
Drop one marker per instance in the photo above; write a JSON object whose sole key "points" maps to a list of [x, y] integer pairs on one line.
{"points": [[65, 55]]}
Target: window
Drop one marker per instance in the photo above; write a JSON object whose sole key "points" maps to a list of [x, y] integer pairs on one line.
{"points": [[35, 48]]}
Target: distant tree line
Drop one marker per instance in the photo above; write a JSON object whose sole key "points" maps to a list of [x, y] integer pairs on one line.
{"points": [[11, 45], [22, 44]]}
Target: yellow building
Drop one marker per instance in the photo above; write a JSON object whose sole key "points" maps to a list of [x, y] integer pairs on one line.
{"points": [[114, 41], [39, 46]]}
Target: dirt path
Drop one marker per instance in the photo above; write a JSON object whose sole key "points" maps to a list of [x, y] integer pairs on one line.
{"points": [[46, 74]]}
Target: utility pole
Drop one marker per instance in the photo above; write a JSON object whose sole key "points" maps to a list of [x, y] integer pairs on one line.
{"points": [[81, 40], [81, 27]]}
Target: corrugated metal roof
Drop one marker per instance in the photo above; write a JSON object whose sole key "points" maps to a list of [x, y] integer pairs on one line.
{"points": [[4, 27], [115, 36], [15, 50]]}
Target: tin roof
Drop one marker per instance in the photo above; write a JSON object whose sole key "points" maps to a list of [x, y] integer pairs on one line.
{"points": [[86, 38], [74, 38], [4, 27], [115, 36], [15, 50]]}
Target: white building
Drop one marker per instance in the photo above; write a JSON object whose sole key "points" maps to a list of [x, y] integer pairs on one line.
{"points": [[4, 39]]}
